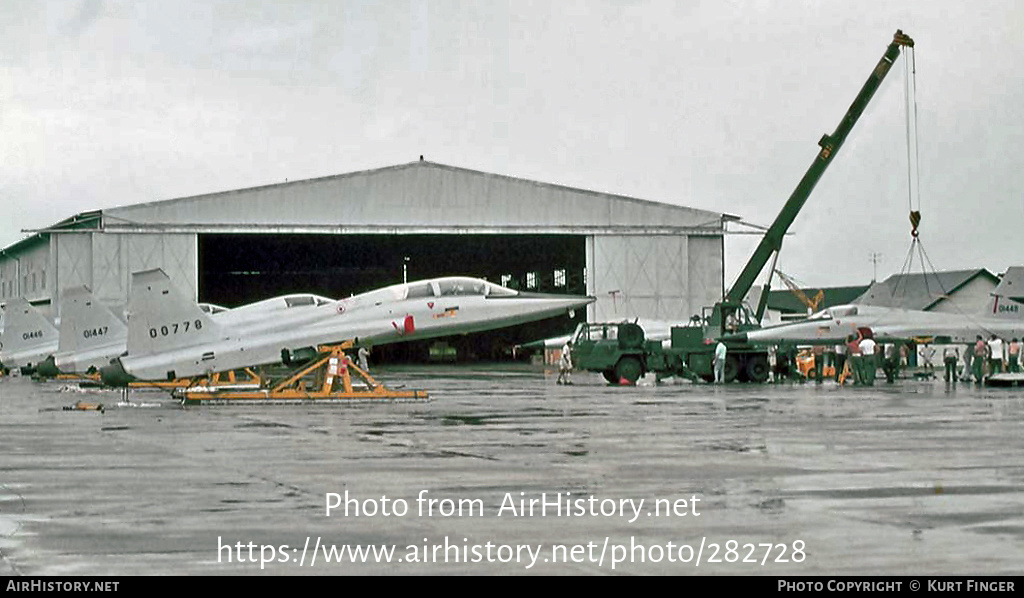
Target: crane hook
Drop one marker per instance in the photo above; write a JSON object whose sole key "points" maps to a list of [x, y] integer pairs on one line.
{"points": [[915, 219]]}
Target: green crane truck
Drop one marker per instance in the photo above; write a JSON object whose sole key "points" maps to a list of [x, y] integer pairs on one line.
{"points": [[621, 352]]}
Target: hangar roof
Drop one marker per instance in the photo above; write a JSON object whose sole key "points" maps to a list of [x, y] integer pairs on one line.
{"points": [[921, 291], [418, 197]]}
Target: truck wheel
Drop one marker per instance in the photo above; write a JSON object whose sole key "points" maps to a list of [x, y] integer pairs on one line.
{"points": [[732, 368], [628, 369], [609, 375], [757, 368]]}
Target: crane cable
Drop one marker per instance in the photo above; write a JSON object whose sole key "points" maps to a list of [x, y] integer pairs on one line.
{"points": [[913, 151], [914, 189], [913, 171]]}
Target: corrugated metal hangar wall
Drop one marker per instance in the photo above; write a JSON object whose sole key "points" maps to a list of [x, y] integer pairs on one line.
{"points": [[348, 233]]}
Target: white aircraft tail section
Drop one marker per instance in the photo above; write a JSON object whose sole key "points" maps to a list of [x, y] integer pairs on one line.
{"points": [[1008, 298], [86, 323], [161, 318], [25, 328]]}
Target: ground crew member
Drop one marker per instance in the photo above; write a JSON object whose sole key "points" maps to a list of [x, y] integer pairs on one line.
{"points": [[853, 349], [868, 361], [980, 359], [995, 355], [927, 353], [792, 369], [891, 365], [720, 351], [818, 352], [968, 355], [840, 360], [1014, 357], [364, 359], [830, 356], [950, 355], [565, 364]]}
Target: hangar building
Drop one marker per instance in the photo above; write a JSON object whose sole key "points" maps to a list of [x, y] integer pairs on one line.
{"points": [[349, 233]]}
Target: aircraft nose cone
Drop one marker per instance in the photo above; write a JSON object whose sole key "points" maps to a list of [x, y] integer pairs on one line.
{"points": [[47, 368], [554, 301], [570, 303], [114, 374], [577, 301]]}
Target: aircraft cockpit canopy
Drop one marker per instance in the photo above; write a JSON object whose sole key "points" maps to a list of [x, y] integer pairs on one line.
{"points": [[461, 286], [438, 287], [843, 311], [302, 300], [471, 286]]}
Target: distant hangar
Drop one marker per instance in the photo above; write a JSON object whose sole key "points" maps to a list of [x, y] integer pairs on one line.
{"points": [[349, 233]]}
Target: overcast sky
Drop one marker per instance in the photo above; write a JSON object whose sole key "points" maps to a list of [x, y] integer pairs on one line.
{"points": [[716, 105]]}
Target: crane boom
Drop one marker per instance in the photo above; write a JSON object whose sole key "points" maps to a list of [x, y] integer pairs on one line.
{"points": [[830, 144], [812, 304], [621, 352]]}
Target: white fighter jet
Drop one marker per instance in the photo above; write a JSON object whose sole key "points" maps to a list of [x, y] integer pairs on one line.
{"points": [[170, 337], [91, 334], [1003, 316]]}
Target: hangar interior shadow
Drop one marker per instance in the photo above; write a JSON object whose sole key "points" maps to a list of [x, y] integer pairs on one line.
{"points": [[236, 269]]}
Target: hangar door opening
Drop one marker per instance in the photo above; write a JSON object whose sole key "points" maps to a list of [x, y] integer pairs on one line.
{"points": [[235, 269]]}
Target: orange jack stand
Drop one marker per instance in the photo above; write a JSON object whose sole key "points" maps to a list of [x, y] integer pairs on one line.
{"points": [[331, 372]]}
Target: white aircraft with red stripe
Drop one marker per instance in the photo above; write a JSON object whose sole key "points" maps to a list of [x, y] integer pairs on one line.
{"points": [[170, 337]]}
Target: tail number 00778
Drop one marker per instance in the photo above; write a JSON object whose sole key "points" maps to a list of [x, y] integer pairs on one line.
{"points": [[176, 328]]}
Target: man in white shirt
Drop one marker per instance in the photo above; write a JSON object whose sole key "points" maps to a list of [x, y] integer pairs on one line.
{"points": [[868, 360], [950, 357], [995, 355], [565, 364], [720, 351]]}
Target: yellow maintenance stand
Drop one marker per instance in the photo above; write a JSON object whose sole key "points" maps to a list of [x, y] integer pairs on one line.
{"points": [[325, 379]]}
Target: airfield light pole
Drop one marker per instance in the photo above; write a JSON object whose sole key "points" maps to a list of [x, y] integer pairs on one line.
{"points": [[405, 269], [874, 263]]}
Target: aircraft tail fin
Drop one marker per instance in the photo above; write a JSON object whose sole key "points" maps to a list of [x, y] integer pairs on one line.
{"points": [[25, 328], [161, 318], [1008, 297], [85, 322]]}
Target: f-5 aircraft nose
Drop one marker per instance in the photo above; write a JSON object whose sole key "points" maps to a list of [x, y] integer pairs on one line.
{"points": [[582, 300], [573, 302], [552, 299], [114, 374]]}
